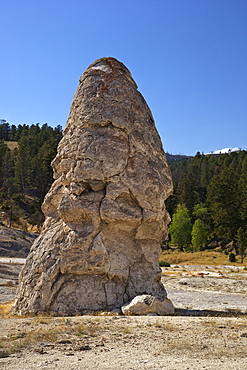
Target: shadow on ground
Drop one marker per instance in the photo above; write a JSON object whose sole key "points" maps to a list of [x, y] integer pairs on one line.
{"points": [[209, 313]]}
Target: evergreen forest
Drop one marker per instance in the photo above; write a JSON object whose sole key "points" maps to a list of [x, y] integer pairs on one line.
{"points": [[26, 175], [209, 203], [208, 207]]}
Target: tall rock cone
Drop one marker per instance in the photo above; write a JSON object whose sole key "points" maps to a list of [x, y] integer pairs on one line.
{"points": [[105, 212]]}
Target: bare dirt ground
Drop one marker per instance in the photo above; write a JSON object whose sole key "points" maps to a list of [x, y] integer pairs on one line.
{"points": [[207, 288], [209, 330]]}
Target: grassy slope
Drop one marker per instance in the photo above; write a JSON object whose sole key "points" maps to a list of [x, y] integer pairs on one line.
{"points": [[200, 258], [11, 144]]}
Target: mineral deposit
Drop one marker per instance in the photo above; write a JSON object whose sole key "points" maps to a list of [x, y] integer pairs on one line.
{"points": [[105, 212]]}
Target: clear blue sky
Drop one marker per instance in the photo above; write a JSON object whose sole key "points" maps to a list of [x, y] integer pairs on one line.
{"points": [[188, 58]]}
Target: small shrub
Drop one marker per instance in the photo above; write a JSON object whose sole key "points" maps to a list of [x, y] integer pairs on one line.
{"points": [[83, 329], [163, 263], [125, 330], [232, 257]]}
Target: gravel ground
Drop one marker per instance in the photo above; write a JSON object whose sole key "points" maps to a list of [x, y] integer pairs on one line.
{"points": [[126, 343], [220, 288], [209, 330]]}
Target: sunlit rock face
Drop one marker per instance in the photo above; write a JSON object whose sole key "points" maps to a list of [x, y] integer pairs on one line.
{"points": [[105, 212]]}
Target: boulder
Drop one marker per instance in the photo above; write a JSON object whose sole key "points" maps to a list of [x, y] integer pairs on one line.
{"points": [[105, 214], [148, 305]]}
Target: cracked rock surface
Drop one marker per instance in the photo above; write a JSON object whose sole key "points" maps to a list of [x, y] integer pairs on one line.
{"points": [[105, 212]]}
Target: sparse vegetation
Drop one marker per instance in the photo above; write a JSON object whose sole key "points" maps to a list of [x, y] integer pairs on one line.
{"points": [[86, 329], [232, 257], [163, 263], [5, 308], [206, 337], [206, 257]]}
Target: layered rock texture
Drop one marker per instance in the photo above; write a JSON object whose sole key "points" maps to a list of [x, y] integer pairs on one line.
{"points": [[105, 212]]}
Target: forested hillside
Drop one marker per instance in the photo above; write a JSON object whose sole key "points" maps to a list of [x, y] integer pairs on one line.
{"points": [[211, 192], [25, 172]]}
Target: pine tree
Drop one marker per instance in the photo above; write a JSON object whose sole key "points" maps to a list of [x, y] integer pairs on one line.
{"points": [[200, 230], [201, 211], [180, 228], [242, 243], [199, 235], [224, 204], [3, 151], [242, 190]]}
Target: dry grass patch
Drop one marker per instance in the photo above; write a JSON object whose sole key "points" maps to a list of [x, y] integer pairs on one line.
{"points": [[11, 144], [208, 338], [14, 342], [166, 327], [199, 258], [43, 329], [83, 329], [125, 330], [5, 308], [42, 320]]}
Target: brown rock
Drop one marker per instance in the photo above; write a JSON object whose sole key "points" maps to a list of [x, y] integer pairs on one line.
{"points": [[105, 212]]}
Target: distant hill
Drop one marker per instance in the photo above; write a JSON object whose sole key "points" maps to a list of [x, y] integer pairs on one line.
{"points": [[224, 151], [176, 157]]}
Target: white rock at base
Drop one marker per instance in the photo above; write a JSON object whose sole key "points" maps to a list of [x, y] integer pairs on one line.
{"points": [[147, 304]]}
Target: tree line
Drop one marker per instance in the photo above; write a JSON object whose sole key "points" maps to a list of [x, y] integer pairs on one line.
{"points": [[25, 171], [208, 206], [209, 203]]}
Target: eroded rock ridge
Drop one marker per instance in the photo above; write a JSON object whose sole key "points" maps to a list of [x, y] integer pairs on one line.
{"points": [[105, 212]]}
